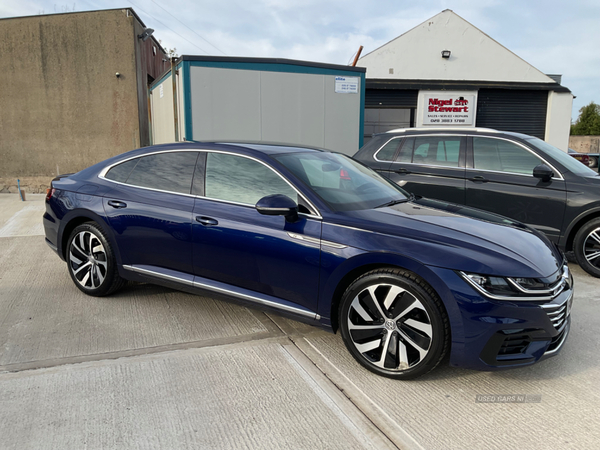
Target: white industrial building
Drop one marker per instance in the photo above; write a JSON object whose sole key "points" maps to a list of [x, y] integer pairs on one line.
{"points": [[447, 72]]}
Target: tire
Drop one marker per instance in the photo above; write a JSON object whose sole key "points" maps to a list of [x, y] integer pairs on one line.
{"points": [[394, 324], [593, 162], [587, 247], [91, 261]]}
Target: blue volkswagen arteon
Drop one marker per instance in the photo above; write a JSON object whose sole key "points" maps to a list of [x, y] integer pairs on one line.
{"points": [[316, 236]]}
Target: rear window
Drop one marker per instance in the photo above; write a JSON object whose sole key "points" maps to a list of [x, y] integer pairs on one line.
{"points": [[169, 171]]}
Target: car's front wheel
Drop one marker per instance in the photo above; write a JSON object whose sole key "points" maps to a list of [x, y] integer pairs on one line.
{"points": [[394, 324], [91, 261], [587, 247]]}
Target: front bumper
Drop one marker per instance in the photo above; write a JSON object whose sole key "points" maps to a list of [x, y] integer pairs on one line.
{"points": [[495, 334]]}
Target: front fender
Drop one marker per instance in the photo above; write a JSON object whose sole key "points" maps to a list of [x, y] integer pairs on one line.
{"points": [[337, 265]]}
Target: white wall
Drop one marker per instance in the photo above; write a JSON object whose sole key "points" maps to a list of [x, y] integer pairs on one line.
{"points": [[558, 119], [292, 108], [161, 109], [475, 56]]}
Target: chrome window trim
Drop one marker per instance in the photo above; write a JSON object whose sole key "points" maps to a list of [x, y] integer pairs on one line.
{"points": [[248, 297], [429, 165], [381, 148], [102, 175], [560, 177], [434, 166]]}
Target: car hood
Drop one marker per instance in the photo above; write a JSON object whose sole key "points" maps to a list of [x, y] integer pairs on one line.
{"points": [[460, 238]]}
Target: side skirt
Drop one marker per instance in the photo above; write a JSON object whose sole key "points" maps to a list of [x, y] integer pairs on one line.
{"points": [[196, 284]]}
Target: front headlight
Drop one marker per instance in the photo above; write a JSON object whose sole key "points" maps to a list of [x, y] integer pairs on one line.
{"points": [[528, 289]]}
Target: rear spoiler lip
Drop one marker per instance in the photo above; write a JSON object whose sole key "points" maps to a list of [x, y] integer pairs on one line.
{"points": [[64, 175]]}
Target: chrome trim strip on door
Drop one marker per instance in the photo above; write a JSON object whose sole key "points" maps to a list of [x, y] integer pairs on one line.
{"points": [[158, 275], [102, 175], [241, 295], [312, 240]]}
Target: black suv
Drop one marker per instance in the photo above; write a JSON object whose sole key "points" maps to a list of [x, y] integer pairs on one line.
{"points": [[512, 174]]}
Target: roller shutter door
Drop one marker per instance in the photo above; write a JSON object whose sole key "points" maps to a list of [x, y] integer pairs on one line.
{"points": [[391, 98], [521, 111]]}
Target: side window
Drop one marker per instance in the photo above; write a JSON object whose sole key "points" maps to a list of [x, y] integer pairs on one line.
{"points": [[171, 171], [406, 152], [242, 180], [437, 150], [387, 152], [502, 156], [121, 171]]}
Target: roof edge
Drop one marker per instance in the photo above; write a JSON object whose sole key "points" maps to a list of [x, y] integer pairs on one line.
{"points": [[261, 60]]}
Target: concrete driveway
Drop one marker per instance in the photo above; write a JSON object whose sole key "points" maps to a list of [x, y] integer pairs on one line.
{"points": [[155, 368]]}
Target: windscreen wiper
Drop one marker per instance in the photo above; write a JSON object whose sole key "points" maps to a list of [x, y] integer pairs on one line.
{"points": [[393, 202]]}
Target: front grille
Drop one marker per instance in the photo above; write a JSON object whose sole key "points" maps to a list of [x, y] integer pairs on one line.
{"points": [[557, 314], [514, 345]]}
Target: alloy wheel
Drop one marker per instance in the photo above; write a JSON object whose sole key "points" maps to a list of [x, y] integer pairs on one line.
{"points": [[389, 327], [591, 247], [88, 260]]}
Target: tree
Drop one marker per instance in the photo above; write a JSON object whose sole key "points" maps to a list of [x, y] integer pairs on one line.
{"points": [[588, 123]]}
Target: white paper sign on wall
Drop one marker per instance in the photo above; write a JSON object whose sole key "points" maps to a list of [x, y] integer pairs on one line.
{"points": [[449, 109], [346, 85]]}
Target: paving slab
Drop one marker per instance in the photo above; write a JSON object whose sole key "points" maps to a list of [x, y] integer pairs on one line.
{"points": [[239, 396], [18, 218], [43, 316], [439, 411]]}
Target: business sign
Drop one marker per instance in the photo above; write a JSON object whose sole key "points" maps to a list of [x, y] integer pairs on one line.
{"points": [[346, 85], [449, 109]]}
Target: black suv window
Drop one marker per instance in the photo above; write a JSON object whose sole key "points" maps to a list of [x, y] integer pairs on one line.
{"points": [[170, 171], [500, 155], [242, 180], [387, 152], [437, 150]]}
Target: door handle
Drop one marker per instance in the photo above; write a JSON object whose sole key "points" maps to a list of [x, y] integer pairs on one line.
{"points": [[117, 204], [206, 221], [402, 171], [479, 178]]}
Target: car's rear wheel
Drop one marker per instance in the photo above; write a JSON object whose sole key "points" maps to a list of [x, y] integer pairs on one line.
{"points": [[394, 324], [91, 261], [587, 247]]}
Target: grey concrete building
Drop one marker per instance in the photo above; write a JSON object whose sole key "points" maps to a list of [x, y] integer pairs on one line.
{"points": [[73, 91]]}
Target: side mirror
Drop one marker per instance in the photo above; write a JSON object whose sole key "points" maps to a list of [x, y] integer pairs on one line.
{"points": [[278, 205], [543, 172]]}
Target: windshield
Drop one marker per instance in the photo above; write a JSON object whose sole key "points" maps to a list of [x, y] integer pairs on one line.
{"points": [[341, 182], [570, 163]]}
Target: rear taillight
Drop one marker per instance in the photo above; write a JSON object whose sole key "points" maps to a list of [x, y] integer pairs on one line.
{"points": [[344, 175], [49, 193]]}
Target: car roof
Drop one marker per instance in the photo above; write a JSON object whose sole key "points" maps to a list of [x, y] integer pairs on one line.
{"points": [[273, 148], [451, 130]]}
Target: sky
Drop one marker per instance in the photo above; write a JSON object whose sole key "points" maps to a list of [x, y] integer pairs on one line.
{"points": [[555, 36]]}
